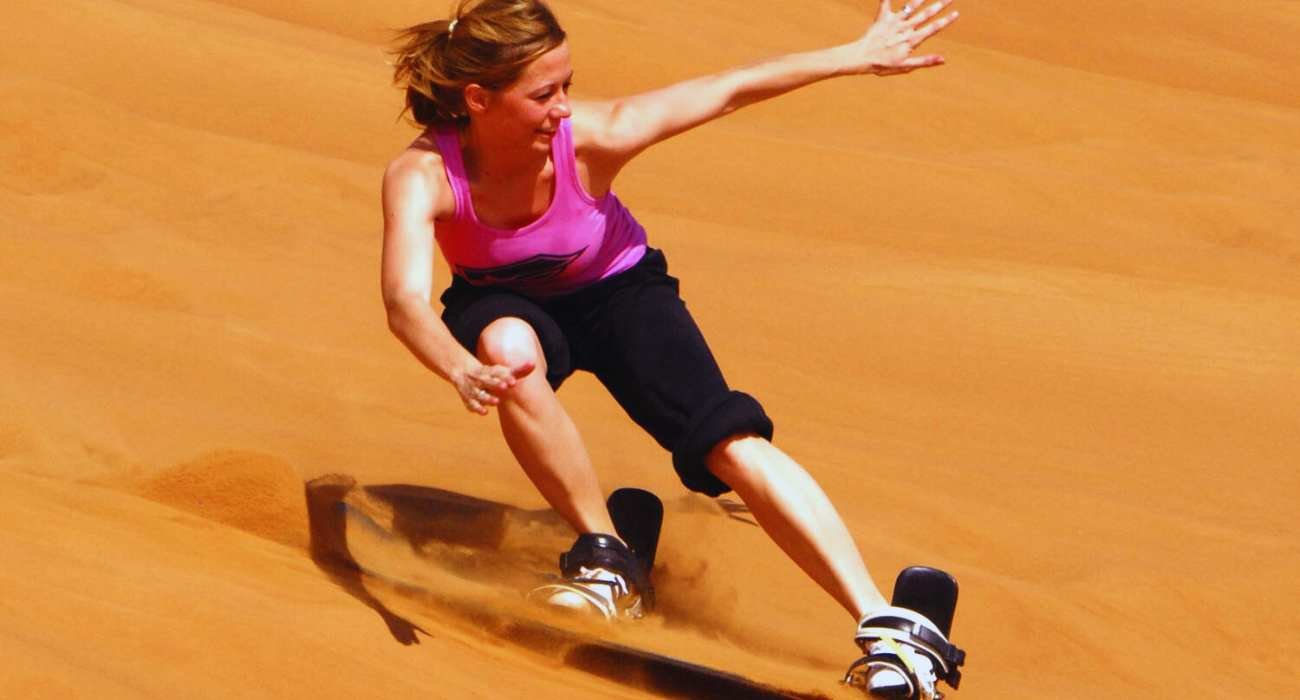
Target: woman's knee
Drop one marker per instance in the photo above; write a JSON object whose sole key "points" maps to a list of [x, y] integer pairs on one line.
{"points": [[511, 342]]}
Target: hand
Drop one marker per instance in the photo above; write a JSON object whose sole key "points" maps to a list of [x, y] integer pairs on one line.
{"points": [[886, 48], [483, 385]]}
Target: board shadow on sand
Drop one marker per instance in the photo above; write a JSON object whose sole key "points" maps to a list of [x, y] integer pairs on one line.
{"points": [[329, 551]]}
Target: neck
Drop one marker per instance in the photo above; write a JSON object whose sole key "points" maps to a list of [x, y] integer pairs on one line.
{"points": [[487, 158]]}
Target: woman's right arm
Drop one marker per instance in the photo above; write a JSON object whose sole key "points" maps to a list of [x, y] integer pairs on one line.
{"points": [[410, 200]]}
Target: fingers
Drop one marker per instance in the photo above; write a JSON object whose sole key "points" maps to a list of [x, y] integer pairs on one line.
{"points": [[916, 19], [496, 378], [499, 378], [913, 63], [523, 370], [484, 387], [478, 400], [929, 30], [486, 391]]}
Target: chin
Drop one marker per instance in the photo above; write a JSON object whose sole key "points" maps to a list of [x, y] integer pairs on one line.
{"points": [[542, 141]]}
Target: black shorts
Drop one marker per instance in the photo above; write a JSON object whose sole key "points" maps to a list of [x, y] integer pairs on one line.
{"points": [[634, 333]]}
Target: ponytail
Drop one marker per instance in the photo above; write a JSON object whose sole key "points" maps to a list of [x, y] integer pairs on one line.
{"points": [[487, 42]]}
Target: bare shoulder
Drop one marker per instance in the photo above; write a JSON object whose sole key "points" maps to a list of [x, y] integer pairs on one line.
{"points": [[415, 180]]}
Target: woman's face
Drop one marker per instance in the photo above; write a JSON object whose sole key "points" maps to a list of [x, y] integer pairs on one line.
{"points": [[527, 113]]}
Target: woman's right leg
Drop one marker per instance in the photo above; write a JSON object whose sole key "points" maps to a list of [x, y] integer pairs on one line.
{"points": [[540, 432]]}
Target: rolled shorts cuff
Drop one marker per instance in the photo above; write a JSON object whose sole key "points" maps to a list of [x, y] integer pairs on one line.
{"points": [[734, 413]]}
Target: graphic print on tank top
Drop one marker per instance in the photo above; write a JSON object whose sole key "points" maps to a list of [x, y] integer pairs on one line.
{"points": [[538, 268]]}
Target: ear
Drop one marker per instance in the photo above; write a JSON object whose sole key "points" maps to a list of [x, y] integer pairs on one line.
{"points": [[477, 98]]}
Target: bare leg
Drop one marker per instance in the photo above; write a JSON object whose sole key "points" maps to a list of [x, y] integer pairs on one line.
{"points": [[540, 432], [798, 516]]}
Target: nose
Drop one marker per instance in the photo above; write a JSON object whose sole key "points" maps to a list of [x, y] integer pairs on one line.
{"points": [[560, 110]]}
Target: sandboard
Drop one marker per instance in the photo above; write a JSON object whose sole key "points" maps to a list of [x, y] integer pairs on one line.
{"points": [[418, 515], [668, 676]]}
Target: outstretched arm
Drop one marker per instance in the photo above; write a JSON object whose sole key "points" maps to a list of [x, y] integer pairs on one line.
{"points": [[619, 129]]}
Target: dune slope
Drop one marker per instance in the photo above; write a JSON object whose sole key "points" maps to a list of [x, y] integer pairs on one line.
{"points": [[1031, 318]]}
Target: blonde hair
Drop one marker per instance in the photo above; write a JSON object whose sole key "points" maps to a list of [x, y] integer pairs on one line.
{"points": [[488, 42]]}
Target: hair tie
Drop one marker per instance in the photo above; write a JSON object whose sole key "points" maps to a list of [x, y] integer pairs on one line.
{"points": [[451, 28]]}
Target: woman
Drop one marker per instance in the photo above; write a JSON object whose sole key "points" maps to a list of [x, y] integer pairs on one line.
{"points": [[512, 180]]}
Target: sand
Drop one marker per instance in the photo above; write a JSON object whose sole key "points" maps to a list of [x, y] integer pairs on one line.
{"points": [[1033, 318]]}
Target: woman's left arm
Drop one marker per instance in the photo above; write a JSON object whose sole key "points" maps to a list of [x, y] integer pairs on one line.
{"points": [[619, 129]]}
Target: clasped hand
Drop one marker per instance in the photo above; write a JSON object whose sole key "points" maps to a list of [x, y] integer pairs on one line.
{"points": [[481, 386]]}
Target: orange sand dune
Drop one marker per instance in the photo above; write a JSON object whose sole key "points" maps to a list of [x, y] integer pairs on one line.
{"points": [[1032, 317]]}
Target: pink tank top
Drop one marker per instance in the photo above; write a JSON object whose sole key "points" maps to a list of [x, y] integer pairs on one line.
{"points": [[579, 240]]}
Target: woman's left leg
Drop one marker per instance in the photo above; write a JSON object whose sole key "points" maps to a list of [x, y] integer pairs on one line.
{"points": [[795, 512], [650, 354]]}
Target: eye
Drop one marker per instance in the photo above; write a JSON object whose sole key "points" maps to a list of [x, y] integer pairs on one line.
{"points": [[549, 92]]}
